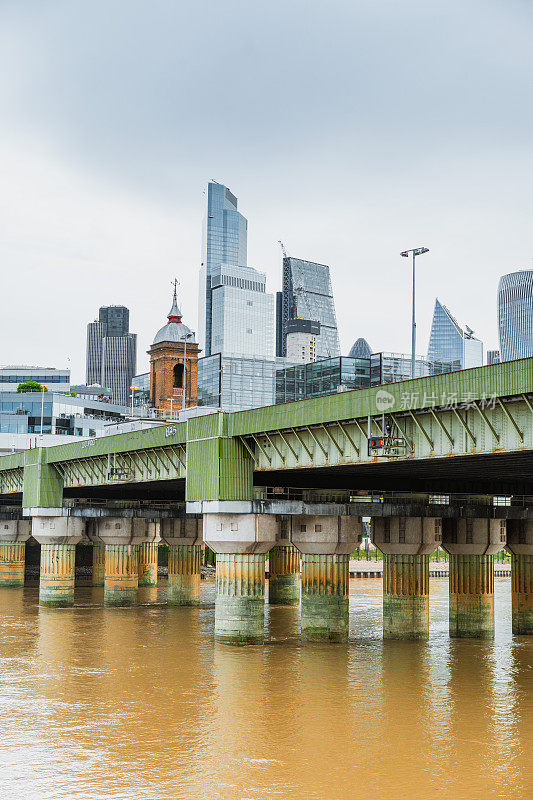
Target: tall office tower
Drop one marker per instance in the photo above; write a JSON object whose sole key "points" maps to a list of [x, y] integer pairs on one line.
{"points": [[242, 313], [224, 241], [112, 352], [307, 294], [493, 357], [515, 315], [450, 344]]}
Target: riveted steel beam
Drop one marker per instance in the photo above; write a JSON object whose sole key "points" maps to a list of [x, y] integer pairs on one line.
{"points": [[260, 446], [248, 448], [464, 425], [422, 430], [274, 446], [345, 432], [442, 426], [410, 442], [305, 447], [332, 439], [289, 445], [487, 423], [317, 442], [511, 419]]}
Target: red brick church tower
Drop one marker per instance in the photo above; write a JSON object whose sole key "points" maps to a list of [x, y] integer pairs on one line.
{"points": [[173, 363]]}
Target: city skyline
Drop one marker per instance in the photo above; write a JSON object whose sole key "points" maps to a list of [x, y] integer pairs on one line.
{"points": [[104, 188]]}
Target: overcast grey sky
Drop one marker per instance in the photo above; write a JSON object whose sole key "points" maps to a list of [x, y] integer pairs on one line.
{"points": [[350, 129]]}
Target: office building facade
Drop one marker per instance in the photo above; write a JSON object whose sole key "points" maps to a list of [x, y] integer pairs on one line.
{"points": [[232, 383], [450, 344], [112, 352], [242, 313], [224, 241], [328, 376], [515, 315], [55, 380], [493, 357], [307, 294]]}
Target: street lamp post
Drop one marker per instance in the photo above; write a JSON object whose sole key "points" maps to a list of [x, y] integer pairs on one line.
{"points": [[43, 387], [184, 339], [132, 396], [416, 251]]}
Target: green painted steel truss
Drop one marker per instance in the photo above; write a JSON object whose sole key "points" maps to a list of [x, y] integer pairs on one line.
{"points": [[503, 425], [478, 411]]}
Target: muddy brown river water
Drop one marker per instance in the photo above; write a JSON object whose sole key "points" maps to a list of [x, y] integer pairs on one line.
{"points": [[141, 703]]}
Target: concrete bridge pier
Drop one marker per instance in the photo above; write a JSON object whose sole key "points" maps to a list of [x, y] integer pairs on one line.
{"points": [[241, 541], [325, 543], [520, 545], [58, 537], [148, 556], [406, 544], [122, 537], [98, 564], [14, 534], [284, 574], [472, 544], [183, 536]]}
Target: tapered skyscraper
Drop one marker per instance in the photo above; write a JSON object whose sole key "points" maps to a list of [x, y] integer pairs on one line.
{"points": [[224, 241], [307, 295], [451, 345], [515, 315]]}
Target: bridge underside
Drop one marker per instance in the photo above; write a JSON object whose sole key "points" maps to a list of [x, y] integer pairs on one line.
{"points": [[495, 473]]}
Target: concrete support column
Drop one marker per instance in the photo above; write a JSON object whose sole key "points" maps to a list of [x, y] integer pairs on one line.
{"points": [[98, 564], [240, 598], [472, 544], [183, 536], [520, 545], [58, 537], [325, 543], [148, 563], [56, 581], [184, 564], [121, 580], [284, 575], [522, 593], [405, 596], [325, 584], [122, 537], [13, 536], [471, 596], [406, 544], [241, 541]]}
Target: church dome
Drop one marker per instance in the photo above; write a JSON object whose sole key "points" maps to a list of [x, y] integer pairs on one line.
{"points": [[360, 349], [174, 330]]}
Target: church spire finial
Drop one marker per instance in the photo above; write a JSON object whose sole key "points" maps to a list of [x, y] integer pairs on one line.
{"points": [[174, 314]]}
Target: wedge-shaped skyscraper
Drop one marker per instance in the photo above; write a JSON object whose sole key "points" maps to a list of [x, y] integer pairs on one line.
{"points": [[451, 345]]}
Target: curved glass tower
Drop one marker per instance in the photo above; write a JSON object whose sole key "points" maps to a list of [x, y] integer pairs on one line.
{"points": [[515, 315]]}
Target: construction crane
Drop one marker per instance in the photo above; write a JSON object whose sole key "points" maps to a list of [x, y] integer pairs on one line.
{"points": [[283, 249]]}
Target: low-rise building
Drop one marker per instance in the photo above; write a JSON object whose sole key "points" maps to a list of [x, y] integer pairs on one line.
{"points": [[55, 380]]}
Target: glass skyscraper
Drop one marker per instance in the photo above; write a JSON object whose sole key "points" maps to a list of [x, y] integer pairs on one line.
{"points": [[224, 241], [242, 313], [307, 294], [450, 344], [515, 315], [112, 352]]}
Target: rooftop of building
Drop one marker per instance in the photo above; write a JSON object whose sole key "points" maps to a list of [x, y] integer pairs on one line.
{"points": [[175, 330]]}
